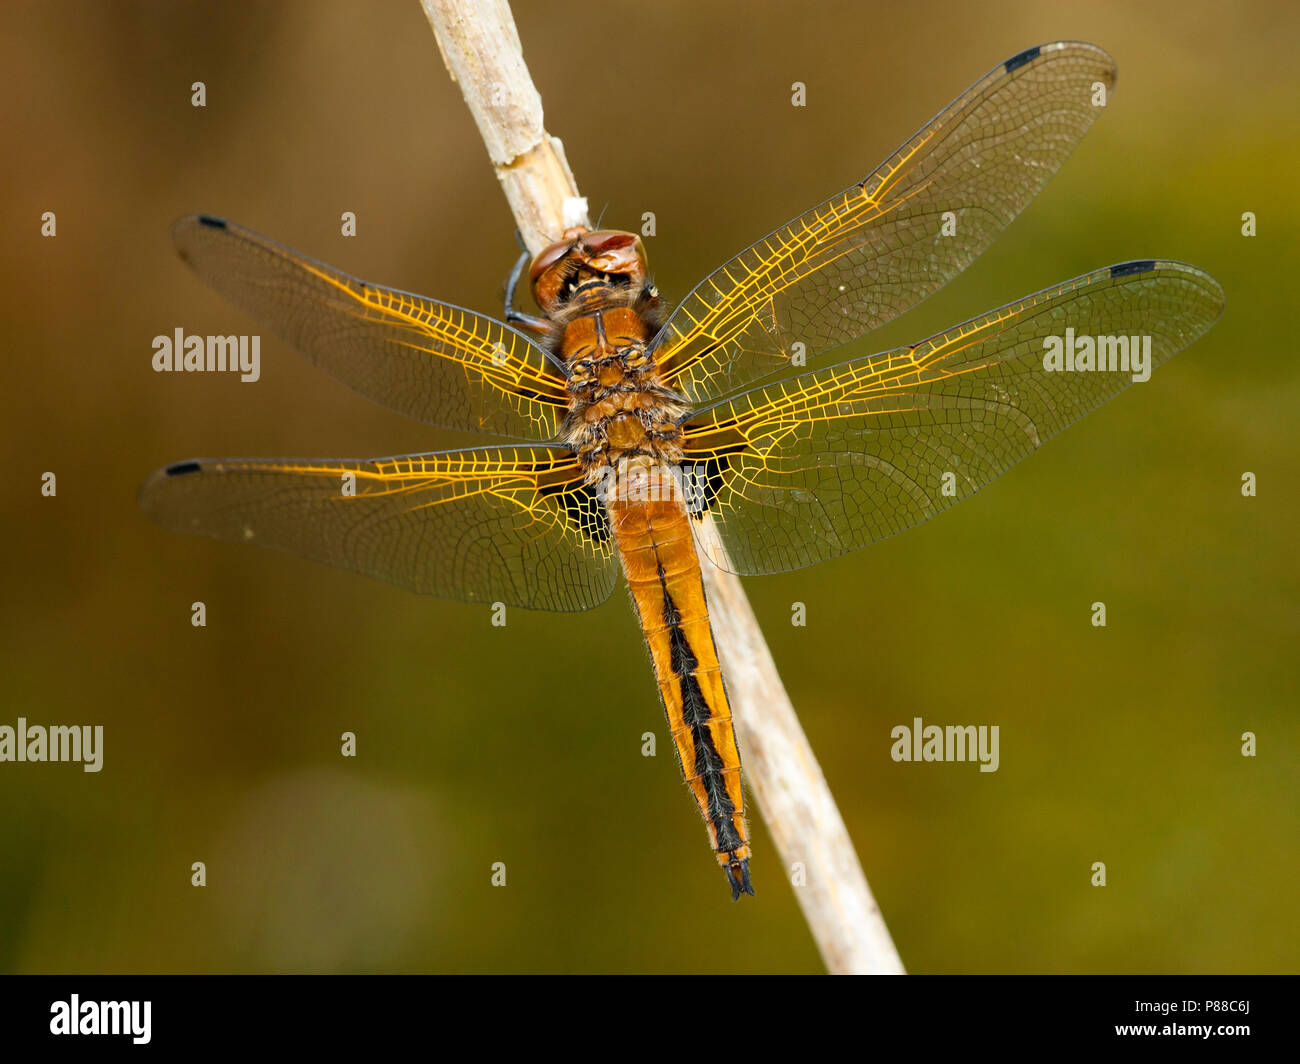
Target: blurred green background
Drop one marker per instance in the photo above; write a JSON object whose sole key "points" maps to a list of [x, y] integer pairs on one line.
{"points": [[522, 744]]}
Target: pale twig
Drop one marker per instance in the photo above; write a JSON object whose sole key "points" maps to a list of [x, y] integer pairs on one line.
{"points": [[480, 46]]}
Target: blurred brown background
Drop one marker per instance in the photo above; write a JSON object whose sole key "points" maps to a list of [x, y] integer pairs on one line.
{"points": [[479, 744]]}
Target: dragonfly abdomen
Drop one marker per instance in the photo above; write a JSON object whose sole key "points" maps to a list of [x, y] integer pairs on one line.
{"points": [[653, 533]]}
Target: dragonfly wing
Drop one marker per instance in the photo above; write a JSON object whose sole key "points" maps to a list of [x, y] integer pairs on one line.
{"points": [[798, 472], [870, 253], [432, 361], [514, 525]]}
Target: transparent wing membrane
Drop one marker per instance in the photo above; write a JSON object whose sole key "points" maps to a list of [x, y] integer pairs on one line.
{"points": [[829, 461], [881, 246], [514, 525], [432, 361]]}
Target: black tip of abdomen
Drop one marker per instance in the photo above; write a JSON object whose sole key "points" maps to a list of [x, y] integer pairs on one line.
{"points": [[738, 878]]}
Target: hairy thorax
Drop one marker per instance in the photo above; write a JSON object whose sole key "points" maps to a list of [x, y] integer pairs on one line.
{"points": [[619, 410]]}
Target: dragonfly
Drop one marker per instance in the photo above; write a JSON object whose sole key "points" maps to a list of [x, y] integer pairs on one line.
{"points": [[734, 429]]}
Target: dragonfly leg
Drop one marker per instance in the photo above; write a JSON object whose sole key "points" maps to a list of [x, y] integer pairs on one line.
{"points": [[518, 317]]}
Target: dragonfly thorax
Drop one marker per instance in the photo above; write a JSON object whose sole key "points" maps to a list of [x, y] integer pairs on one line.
{"points": [[618, 406]]}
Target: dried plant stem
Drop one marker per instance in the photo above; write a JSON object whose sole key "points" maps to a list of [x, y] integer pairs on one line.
{"points": [[480, 46]]}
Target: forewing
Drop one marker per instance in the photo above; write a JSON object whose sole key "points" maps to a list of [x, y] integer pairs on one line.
{"points": [[514, 525], [881, 246], [432, 361], [798, 472]]}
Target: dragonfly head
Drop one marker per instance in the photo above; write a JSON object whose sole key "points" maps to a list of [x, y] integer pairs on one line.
{"points": [[586, 263]]}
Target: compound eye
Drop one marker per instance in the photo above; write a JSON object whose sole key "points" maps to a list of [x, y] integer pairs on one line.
{"points": [[608, 240], [548, 257]]}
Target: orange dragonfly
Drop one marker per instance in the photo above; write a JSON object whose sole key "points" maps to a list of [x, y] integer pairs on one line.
{"points": [[658, 437]]}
